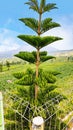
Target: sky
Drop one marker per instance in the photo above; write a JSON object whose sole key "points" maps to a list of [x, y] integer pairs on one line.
{"points": [[11, 27]]}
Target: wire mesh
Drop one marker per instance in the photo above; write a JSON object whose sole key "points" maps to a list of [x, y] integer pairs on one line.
{"points": [[19, 113]]}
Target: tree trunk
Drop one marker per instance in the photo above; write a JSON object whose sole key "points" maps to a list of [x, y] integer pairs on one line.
{"points": [[38, 59], [37, 73]]}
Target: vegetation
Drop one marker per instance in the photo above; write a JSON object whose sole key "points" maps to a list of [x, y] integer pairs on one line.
{"points": [[8, 64], [37, 82], [1, 67], [40, 82], [64, 80]]}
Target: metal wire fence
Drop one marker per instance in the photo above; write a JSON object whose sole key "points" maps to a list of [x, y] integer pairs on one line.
{"points": [[19, 113]]}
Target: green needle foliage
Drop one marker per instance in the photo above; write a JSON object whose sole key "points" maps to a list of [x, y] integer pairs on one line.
{"points": [[42, 8], [31, 56], [37, 41], [46, 24]]}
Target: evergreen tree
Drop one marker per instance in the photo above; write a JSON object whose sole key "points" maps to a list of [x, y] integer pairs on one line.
{"points": [[39, 26]]}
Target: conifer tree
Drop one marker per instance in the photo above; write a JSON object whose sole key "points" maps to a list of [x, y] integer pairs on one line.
{"points": [[39, 26]]}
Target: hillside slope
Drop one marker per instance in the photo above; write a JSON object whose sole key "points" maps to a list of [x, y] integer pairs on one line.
{"points": [[64, 79]]}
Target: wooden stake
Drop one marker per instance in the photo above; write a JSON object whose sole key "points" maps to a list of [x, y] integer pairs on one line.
{"points": [[1, 113]]}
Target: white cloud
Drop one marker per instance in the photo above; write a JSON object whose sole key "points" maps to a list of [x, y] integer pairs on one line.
{"points": [[7, 41], [65, 32], [10, 42]]}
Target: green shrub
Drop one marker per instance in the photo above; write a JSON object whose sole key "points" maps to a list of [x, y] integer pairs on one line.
{"points": [[1, 67], [18, 75]]}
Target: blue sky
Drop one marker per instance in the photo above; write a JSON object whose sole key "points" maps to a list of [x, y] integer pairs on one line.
{"points": [[10, 26]]}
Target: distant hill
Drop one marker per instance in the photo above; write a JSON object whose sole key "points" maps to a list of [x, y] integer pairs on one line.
{"points": [[64, 53], [50, 50], [8, 54]]}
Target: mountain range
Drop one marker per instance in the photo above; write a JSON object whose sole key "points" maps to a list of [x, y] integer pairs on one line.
{"points": [[50, 50]]}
